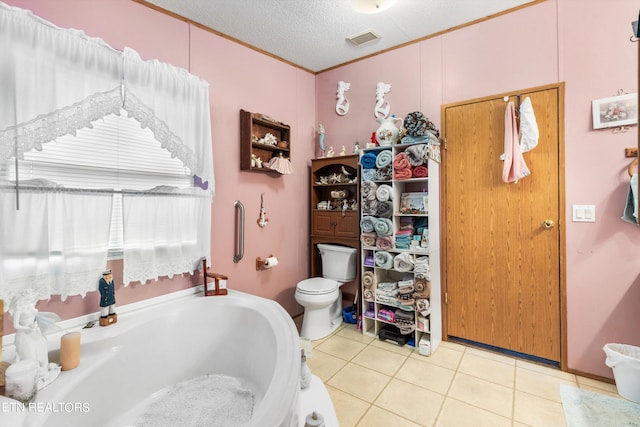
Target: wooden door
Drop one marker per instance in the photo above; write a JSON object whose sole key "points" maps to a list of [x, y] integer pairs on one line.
{"points": [[501, 265]]}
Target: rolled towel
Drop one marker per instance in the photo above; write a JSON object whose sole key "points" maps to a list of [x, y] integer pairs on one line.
{"points": [[369, 238], [403, 262], [384, 158], [400, 161], [383, 226], [420, 172], [422, 288], [384, 174], [417, 154], [368, 279], [400, 174], [384, 259], [368, 190], [384, 192], [384, 209], [370, 207], [367, 224], [368, 174], [385, 243], [423, 306], [368, 160], [368, 295]]}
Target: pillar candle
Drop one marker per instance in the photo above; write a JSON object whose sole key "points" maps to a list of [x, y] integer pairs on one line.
{"points": [[70, 351]]}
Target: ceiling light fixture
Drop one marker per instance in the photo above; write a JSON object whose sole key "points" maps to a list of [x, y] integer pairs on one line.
{"points": [[372, 6]]}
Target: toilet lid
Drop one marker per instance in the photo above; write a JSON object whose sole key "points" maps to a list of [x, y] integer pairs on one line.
{"points": [[317, 285]]}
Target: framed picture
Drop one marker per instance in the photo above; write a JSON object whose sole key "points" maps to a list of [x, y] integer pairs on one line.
{"points": [[414, 203], [621, 110]]}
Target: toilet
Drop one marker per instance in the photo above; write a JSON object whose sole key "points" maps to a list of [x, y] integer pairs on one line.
{"points": [[321, 296]]}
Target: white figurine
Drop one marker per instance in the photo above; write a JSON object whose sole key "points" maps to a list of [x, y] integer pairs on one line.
{"points": [[342, 106], [30, 342], [343, 151], [330, 153], [382, 105]]}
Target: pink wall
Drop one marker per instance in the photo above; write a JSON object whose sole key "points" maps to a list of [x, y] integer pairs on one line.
{"points": [[239, 78], [584, 44]]}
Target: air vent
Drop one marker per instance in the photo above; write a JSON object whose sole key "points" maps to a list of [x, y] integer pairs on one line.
{"points": [[363, 38]]}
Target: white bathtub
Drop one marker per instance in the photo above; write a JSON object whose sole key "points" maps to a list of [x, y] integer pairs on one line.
{"points": [[238, 335]]}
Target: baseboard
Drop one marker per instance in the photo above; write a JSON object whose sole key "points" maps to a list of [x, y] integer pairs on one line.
{"points": [[591, 376]]}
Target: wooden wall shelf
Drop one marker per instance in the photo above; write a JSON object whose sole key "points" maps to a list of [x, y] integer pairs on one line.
{"points": [[253, 127]]}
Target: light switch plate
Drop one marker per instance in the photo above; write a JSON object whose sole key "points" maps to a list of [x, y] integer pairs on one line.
{"points": [[584, 213]]}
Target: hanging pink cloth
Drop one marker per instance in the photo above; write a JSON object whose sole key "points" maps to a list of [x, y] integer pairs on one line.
{"points": [[514, 166]]}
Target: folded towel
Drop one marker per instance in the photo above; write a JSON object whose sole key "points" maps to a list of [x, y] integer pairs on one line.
{"points": [[368, 174], [368, 238], [385, 243], [417, 154], [390, 287], [368, 190], [383, 226], [384, 259], [368, 279], [400, 174], [384, 158], [420, 172], [367, 224], [384, 209], [384, 192], [384, 174], [400, 161], [368, 261], [368, 160]]}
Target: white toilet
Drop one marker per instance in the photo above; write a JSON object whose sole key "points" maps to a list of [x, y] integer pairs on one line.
{"points": [[321, 296]]}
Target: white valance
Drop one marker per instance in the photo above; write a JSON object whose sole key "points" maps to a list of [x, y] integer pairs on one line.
{"points": [[60, 80]]}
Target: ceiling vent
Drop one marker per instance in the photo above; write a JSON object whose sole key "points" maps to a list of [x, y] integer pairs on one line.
{"points": [[363, 38]]}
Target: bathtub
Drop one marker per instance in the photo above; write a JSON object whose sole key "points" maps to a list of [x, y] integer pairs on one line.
{"points": [[122, 365]]}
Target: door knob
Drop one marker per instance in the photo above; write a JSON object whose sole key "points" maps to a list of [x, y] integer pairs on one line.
{"points": [[547, 224]]}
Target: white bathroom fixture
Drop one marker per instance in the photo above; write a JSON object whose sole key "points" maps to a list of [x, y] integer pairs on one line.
{"points": [[321, 296]]}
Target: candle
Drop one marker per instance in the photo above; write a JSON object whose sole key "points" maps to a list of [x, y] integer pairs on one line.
{"points": [[70, 351]]}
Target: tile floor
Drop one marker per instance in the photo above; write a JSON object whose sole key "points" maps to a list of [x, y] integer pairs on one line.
{"points": [[374, 383]]}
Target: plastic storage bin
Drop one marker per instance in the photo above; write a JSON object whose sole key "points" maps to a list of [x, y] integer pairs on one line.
{"points": [[625, 361]]}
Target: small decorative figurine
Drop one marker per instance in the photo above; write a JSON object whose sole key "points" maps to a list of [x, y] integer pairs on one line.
{"points": [[330, 152], [383, 107], [30, 342], [343, 151], [342, 106], [107, 299], [262, 218], [321, 139], [356, 148]]}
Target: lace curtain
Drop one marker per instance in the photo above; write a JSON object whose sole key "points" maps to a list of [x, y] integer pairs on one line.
{"points": [[54, 241], [148, 253], [55, 81]]}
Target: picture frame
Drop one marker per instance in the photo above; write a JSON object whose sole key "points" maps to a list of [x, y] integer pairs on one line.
{"points": [[615, 111], [414, 203]]}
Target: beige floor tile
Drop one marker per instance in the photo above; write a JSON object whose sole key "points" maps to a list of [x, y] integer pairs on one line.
{"points": [[381, 360], [537, 411], [406, 350], [491, 355], [324, 365], [358, 381], [547, 370], [341, 347], [456, 414], [426, 375], [584, 382], [410, 401], [378, 417], [546, 386], [452, 346], [483, 394], [443, 356], [352, 333], [488, 369], [349, 409]]}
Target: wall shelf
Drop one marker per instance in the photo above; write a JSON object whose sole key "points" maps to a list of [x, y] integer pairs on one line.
{"points": [[254, 127]]}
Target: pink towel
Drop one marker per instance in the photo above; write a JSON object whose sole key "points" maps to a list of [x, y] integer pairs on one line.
{"points": [[420, 172], [514, 166]]}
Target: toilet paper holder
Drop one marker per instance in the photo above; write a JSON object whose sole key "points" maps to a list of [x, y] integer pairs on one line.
{"points": [[265, 263]]}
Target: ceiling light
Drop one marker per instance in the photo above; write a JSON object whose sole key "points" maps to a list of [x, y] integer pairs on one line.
{"points": [[372, 6]]}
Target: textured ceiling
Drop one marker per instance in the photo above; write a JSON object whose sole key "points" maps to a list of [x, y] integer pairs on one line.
{"points": [[312, 33]]}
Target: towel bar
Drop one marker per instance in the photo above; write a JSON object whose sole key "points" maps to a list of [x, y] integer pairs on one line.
{"points": [[239, 243]]}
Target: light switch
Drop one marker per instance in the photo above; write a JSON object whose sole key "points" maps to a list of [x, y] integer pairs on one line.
{"points": [[584, 213]]}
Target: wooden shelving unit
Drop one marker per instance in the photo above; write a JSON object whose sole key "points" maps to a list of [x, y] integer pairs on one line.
{"points": [[253, 127]]}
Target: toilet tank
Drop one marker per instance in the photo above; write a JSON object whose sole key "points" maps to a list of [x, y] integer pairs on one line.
{"points": [[338, 262]]}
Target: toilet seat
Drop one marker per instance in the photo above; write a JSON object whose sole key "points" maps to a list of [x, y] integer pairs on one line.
{"points": [[317, 286]]}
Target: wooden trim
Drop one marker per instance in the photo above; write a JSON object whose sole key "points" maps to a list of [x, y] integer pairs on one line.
{"points": [[439, 33], [593, 377], [562, 208]]}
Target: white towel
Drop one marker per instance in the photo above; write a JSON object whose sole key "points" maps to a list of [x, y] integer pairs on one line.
{"points": [[630, 213], [529, 133]]}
